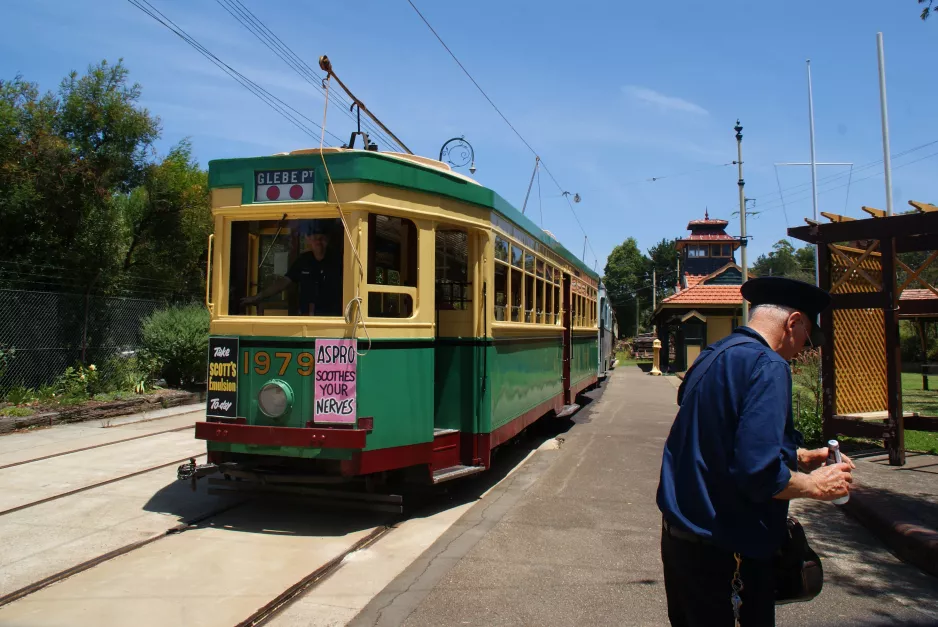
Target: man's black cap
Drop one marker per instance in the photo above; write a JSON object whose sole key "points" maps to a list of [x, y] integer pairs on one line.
{"points": [[804, 297]]}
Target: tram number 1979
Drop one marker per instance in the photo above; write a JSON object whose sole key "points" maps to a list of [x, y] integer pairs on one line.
{"points": [[305, 364]]}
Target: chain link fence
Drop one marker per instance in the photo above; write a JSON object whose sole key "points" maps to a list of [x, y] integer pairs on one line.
{"points": [[50, 331]]}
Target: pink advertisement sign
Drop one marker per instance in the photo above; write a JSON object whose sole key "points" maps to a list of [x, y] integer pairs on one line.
{"points": [[336, 375]]}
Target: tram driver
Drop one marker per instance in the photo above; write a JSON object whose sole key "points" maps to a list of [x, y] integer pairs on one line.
{"points": [[317, 274]]}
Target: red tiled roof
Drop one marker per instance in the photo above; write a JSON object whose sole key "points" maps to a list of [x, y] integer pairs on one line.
{"points": [[694, 279], [696, 237], [918, 294], [707, 223], [707, 295]]}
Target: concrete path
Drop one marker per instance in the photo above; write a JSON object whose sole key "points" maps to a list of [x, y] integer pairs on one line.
{"points": [[573, 539]]}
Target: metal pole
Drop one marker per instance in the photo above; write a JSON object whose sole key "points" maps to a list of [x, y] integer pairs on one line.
{"points": [[887, 164], [817, 276], [654, 289], [742, 214], [636, 314]]}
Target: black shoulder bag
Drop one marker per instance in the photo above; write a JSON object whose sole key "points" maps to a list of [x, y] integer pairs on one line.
{"points": [[799, 575]]}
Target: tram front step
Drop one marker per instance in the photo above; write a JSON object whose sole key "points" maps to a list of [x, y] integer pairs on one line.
{"points": [[445, 448], [455, 472], [568, 410]]}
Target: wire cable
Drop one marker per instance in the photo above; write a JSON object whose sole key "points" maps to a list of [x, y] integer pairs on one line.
{"points": [[510, 125]]}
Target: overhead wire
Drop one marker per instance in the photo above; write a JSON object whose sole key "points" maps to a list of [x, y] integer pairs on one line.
{"points": [[510, 125], [244, 16], [285, 110]]}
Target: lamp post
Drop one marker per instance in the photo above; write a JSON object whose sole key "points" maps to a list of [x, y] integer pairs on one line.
{"points": [[464, 153]]}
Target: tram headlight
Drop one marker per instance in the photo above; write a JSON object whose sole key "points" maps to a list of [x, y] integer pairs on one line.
{"points": [[275, 398]]}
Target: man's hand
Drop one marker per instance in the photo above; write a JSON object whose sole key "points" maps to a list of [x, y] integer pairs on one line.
{"points": [[831, 482], [814, 459]]}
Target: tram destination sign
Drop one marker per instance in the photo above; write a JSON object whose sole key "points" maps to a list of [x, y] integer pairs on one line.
{"points": [[222, 393], [283, 185]]}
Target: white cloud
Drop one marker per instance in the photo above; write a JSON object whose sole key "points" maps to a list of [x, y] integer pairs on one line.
{"points": [[662, 101]]}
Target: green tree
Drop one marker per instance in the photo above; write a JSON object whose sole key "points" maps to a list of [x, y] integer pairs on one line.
{"points": [[662, 258], [83, 195], [166, 222], [786, 261], [624, 274], [926, 11]]}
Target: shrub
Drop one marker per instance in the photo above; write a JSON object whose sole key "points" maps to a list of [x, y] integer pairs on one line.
{"points": [[176, 339], [17, 412], [20, 395], [126, 374], [78, 382]]}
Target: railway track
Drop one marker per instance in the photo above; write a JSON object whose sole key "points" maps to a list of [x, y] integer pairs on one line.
{"points": [[94, 446]]}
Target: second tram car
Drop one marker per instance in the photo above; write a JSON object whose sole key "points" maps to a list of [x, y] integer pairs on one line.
{"points": [[378, 312]]}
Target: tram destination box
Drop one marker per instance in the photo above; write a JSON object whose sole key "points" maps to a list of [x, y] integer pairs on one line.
{"points": [[222, 387], [283, 185]]}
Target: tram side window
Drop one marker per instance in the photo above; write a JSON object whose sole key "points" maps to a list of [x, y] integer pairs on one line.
{"points": [[516, 290], [453, 286], [392, 260], [285, 267]]}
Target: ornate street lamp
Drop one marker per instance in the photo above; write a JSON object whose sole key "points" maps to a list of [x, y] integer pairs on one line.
{"points": [[461, 150]]}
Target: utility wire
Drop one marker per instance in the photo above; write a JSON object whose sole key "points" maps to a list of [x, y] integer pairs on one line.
{"points": [[510, 125], [269, 99], [266, 36]]}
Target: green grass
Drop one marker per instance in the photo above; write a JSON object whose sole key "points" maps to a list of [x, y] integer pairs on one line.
{"points": [[17, 412], [914, 398]]}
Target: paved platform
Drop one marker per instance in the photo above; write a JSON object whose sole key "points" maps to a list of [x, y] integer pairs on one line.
{"points": [[900, 505], [572, 538]]}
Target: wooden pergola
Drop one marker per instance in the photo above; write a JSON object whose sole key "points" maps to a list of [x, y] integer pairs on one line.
{"points": [[861, 365]]}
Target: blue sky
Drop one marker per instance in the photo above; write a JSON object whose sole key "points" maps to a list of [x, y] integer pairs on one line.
{"points": [[610, 94]]}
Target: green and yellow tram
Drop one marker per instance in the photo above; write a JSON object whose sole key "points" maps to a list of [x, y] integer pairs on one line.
{"points": [[423, 321]]}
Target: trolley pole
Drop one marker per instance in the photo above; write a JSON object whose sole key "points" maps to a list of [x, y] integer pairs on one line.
{"points": [[742, 214]]}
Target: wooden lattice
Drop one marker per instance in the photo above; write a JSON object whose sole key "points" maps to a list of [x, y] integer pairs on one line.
{"points": [[859, 334]]}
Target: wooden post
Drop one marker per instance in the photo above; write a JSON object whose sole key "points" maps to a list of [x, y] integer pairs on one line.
{"points": [[921, 334], [828, 391], [895, 429]]}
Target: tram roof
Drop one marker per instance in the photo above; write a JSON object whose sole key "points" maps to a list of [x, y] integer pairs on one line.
{"points": [[393, 169]]}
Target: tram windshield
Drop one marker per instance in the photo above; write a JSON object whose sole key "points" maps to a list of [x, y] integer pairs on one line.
{"points": [[286, 267]]}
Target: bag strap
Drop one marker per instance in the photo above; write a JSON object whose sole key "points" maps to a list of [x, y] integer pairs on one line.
{"points": [[703, 363]]}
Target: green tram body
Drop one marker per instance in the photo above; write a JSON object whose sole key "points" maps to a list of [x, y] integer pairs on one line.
{"points": [[432, 405]]}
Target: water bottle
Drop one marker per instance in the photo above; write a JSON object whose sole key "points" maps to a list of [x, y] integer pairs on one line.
{"points": [[833, 457]]}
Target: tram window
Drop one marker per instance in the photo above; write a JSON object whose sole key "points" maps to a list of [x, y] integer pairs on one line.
{"points": [[539, 302], [392, 251], [548, 301], [540, 268], [528, 262], [501, 249], [529, 284], [515, 287], [385, 305], [515, 256], [558, 319], [286, 267], [454, 289], [501, 291]]}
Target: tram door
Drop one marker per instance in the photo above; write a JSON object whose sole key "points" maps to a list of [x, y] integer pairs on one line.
{"points": [[456, 358], [567, 338]]}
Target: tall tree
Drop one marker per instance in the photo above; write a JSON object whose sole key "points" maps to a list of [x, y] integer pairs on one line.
{"points": [[83, 195], [662, 258], [786, 261], [624, 275]]}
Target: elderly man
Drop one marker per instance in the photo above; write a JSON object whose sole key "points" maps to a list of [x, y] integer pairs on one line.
{"points": [[318, 276], [731, 462]]}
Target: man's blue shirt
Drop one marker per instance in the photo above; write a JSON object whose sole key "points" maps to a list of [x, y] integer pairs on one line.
{"points": [[732, 447]]}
